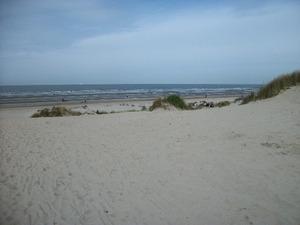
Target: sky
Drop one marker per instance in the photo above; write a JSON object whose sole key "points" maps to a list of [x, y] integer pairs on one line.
{"points": [[148, 42]]}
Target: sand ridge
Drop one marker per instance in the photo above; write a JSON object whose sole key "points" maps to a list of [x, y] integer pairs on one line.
{"points": [[231, 165]]}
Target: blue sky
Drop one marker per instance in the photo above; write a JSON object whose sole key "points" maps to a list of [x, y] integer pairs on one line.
{"points": [[140, 41]]}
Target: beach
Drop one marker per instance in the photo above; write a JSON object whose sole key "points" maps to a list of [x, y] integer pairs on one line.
{"points": [[232, 165]]}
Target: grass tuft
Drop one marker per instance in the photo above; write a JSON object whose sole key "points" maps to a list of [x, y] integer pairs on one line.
{"points": [[157, 103], [248, 98], [222, 104], [101, 112], [274, 87], [280, 83], [55, 112], [171, 100]]}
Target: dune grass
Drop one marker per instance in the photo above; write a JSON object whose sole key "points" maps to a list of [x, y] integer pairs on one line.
{"points": [[173, 100], [274, 87], [157, 103], [179, 103], [222, 104], [55, 112], [248, 98]]}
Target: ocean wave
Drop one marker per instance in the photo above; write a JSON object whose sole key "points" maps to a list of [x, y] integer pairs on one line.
{"points": [[42, 93]]}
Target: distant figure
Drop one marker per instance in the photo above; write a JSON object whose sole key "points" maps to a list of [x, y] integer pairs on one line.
{"points": [[63, 100], [239, 99], [205, 96]]}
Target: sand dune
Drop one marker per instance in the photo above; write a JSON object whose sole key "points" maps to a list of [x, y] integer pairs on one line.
{"points": [[231, 165]]}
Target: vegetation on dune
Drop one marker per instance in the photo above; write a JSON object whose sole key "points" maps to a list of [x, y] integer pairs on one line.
{"points": [[179, 103], [222, 104], [274, 87], [280, 83], [248, 98], [176, 101], [171, 100], [194, 105], [156, 104], [55, 112]]}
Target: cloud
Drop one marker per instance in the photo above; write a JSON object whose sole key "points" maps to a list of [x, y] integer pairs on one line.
{"points": [[209, 38], [49, 25], [193, 45]]}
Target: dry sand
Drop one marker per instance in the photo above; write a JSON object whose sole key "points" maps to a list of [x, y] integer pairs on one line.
{"points": [[231, 165]]}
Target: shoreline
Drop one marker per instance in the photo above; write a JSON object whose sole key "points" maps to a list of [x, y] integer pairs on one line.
{"points": [[26, 110], [103, 101]]}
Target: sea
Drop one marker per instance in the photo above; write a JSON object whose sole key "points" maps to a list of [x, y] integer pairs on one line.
{"points": [[86, 92]]}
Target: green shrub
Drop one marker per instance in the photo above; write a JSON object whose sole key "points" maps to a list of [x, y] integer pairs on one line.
{"points": [[176, 101]]}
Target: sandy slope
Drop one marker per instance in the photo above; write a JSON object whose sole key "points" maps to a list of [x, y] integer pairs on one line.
{"points": [[232, 165]]}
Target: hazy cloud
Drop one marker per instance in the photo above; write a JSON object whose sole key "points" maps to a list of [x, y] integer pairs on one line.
{"points": [[189, 42]]}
